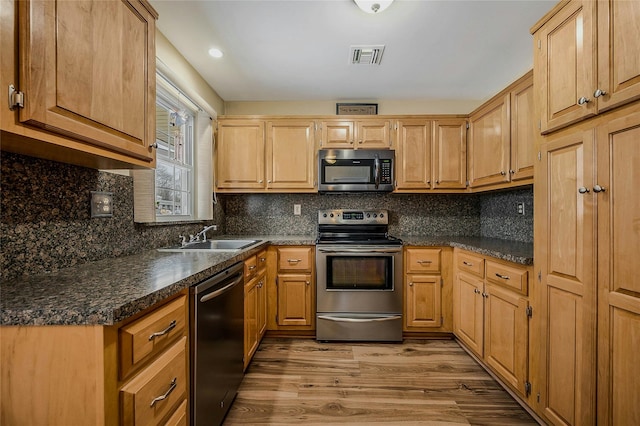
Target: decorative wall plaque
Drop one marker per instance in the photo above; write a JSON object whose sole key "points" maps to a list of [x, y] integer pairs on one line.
{"points": [[356, 109]]}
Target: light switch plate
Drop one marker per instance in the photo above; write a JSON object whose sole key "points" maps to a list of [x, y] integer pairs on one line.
{"points": [[101, 204]]}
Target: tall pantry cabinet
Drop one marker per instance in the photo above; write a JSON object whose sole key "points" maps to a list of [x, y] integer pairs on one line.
{"points": [[587, 213]]}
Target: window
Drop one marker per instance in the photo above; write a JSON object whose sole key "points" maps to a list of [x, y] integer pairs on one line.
{"points": [[180, 187], [174, 156]]}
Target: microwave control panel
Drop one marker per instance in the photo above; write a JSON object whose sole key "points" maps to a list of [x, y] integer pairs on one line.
{"points": [[385, 171]]}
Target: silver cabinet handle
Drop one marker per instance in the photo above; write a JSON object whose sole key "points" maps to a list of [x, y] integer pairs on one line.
{"points": [[252, 267], [467, 263], [583, 101], [512, 171], [583, 190], [172, 386], [502, 172], [476, 291], [424, 261], [598, 188], [263, 259], [411, 284], [599, 93], [504, 277], [260, 284], [294, 260], [343, 319], [171, 326], [307, 282], [486, 295]]}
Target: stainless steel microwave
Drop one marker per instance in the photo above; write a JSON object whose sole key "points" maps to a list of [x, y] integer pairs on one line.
{"points": [[362, 170]]}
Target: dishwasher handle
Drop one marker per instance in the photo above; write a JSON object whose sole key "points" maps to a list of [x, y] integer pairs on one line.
{"points": [[223, 290]]}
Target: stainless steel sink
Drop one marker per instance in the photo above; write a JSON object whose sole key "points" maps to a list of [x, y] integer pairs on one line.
{"points": [[212, 246]]}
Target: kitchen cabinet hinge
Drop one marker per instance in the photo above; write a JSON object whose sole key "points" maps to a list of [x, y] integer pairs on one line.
{"points": [[529, 311], [539, 156], [539, 44], [467, 183], [527, 388], [539, 276], [441, 282], [16, 98], [466, 123], [539, 124]]}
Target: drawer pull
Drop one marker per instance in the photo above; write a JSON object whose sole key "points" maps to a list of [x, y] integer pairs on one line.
{"points": [[424, 261], [252, 267], [476, 291], [172, 386], [171, 326], [467, 263], [294, 260], [263, 259], [504, 277]]}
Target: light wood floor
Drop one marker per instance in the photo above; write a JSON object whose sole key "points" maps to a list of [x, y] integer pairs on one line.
{"points": [[432, 382]]}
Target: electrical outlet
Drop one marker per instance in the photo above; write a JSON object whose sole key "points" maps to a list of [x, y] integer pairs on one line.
{"points": [[297, 210], [521, 208], [101, 204]]}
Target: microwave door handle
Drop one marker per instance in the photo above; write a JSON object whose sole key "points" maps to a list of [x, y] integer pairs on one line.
{"points": [[376, 171]]}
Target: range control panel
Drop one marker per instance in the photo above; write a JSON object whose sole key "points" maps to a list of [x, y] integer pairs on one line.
{"points": [[353, 217]]}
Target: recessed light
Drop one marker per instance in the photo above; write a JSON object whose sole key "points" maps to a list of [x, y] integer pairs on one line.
{"points": [[216, 53]]}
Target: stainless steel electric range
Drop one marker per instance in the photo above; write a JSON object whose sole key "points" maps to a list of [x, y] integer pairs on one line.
{"points": [[359, 277]]}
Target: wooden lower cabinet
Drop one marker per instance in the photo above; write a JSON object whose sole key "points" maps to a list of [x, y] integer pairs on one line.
{"points": [[255, 303], [76, 374], [492, 319], [587, 238], [427, 289], [291, 290]]}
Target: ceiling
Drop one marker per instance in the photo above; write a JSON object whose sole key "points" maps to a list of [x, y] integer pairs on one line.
{"points": [[299, 49]]}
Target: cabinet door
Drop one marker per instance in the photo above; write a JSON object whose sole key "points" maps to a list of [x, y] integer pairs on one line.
{"points": [[423, 301], [413, 155], [373, 134], [250, 320], [337, 134], [564, 65], [618, 271], [618, 47], [450, 154], [295, 299], [240, 155], [468, 311], [489, 144], [565, 257], [523, 131], [291, 154], [88, 71], [506, 335]]}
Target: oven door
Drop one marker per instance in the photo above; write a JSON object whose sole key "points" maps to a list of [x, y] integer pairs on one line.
{"points": [[359, 279]]}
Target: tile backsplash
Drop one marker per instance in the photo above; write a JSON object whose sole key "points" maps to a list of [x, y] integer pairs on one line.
{"points": [[45, 222]]}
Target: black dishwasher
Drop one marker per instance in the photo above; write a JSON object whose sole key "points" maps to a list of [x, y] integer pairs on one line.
{"points": [[217, 330]]}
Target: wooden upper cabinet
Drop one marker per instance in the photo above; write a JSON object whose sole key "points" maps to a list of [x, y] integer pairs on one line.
{"points": [[240, 155], [586, 60], [87, 71], [618, 52], [523, 130], [356, 134], [489, 143], [414, 151], [291, 154], [564, 65], [431, 154], [450, 154]]}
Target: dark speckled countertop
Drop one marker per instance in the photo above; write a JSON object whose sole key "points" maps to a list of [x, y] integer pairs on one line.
{"points": [[111, 290]]}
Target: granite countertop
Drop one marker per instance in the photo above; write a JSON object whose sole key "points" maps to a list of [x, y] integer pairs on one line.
{"points": [[111, 290], [512, 251]]}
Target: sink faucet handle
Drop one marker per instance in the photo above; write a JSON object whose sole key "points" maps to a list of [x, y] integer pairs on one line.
{"points": [[184, 240]]}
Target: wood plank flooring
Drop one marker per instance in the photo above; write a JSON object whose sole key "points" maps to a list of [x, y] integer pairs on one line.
{"points": [[431, 382]]}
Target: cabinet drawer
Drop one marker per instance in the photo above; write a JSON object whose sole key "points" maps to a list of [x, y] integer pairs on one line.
{"points": [[470, 263], [261, 259], [151, 334], [423, 260], [295, 258], [250, 267], [507, 276], [179, 417], [158, 389]]}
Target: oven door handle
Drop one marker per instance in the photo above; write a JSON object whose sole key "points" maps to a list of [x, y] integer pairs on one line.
{"points": [[372, 319], [362, 251]]}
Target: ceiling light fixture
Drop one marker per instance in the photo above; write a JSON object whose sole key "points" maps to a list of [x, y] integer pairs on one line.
{"points": [[375, 6], [216, 53]]}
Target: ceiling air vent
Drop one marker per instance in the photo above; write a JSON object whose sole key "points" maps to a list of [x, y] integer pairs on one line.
{"points": [[366, 55]]}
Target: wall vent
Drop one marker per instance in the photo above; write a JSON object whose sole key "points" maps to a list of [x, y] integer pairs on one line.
{"points": [[366, 55]]}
